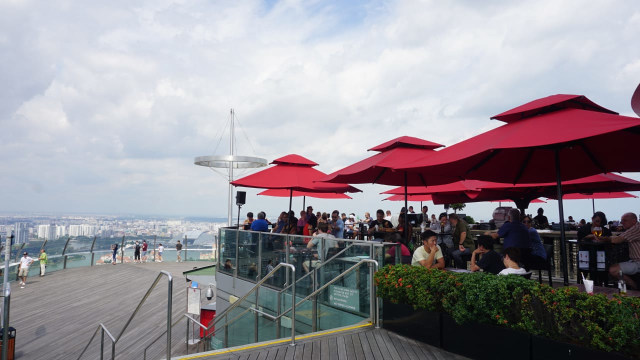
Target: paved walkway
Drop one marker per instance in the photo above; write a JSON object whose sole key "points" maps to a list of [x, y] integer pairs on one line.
{"points": [[55, 315], [363, 343]]}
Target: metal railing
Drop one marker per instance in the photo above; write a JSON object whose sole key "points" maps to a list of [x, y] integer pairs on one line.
{"points": [[114, 340], [6, 294], [374, 308]]}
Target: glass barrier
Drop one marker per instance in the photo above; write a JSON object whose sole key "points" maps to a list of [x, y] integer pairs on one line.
{"points": [[78, 252]]}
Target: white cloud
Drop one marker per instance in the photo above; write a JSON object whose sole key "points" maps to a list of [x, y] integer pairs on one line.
{"points": [[107, 103]]}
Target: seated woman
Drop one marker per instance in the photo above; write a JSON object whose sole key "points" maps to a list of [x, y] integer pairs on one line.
{"points": [[390, 255], [511, 262], [595, 228], [538, 255], [429, 254]]}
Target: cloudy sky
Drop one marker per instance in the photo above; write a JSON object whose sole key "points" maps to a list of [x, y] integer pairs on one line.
{"points": [[105, 104]]}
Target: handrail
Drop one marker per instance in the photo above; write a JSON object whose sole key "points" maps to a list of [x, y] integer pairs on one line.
{"points": [[318, 267], [159, 336], [256, 286], [227, 311], [144, 298]]}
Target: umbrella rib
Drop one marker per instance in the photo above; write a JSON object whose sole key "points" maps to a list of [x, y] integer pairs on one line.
{"points": [[384, 169], [424, 182], [523, 166], [493, 153], [592, 157]]}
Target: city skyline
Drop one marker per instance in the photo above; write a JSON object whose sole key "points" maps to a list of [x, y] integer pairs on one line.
{"points": [[105, 105]]}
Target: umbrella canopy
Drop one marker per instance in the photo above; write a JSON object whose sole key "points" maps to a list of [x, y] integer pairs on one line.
{"points": [[602, 195], [409, 198], [317, 195], [293, 173], [635, 101], [586, 138], [379, 168], [560, 137], [534, 201]]}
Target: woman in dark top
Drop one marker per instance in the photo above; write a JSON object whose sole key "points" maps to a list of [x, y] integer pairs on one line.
{"points": [[599, 220]]}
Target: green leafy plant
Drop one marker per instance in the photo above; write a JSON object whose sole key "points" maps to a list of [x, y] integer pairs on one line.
{"points": [[563, 314], [458, 206]]}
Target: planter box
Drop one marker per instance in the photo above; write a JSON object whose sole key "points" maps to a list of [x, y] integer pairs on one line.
{"points": [[419, 325], [547, 349], [482, 341]]}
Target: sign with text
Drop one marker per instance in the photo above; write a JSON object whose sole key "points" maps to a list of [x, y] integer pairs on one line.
{"points": [[343, 297], [193, 301]]}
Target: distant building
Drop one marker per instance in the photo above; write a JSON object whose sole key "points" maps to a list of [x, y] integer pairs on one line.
{"points": [[47, 232], [21, 232]]}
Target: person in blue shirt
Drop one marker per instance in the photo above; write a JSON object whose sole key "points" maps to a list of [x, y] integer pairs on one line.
{"points": [[260, 224], [337, 225], [514, 232]]}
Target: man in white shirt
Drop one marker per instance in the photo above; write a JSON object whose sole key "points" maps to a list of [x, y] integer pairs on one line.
{"points": [[23, 268]]}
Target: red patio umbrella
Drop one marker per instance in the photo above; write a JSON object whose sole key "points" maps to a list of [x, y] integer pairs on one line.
{"points": [[557, 138], [597, 195], [293, 173], [409, 198], [304, 194], [635, 101], [379, 168]]}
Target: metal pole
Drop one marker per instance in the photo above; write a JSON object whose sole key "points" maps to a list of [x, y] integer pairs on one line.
{"points": [[101, 343], [563, 250], [186, 341], [92, 254], [406, 209], [593, 205], [230, 205], [169, 310], [304, 200], [314, 302], [122, 251], [5, 320], [293, 309], [154, 247], [7, 258], [185, 248], [279, 312], [290, 198], [255, 323], [64, 251], [372, 297]]}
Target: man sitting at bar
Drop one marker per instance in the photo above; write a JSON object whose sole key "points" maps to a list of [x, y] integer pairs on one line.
{"points": [[379, 224], [260, 224], [512, 262], [429, 254], [490, 261], [541, 221], [461, 239], [515, 234], [631, 235]]}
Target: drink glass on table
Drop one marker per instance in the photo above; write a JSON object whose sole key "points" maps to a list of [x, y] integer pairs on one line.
{"points": [[596, 231]]}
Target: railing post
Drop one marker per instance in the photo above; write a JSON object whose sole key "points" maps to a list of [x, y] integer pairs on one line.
{"points": [[226, 331], [101, 343], [5, 319], [92, 245], [293, 309], [122, 251], [154, 247], [255, 324], [185, 248], [64, 251], [314, 302], [169, 311], [186, 339], [278, 323]]}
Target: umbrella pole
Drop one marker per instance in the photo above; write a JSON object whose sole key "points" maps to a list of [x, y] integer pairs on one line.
{"points": [[563, 249], [304, 200], [593, 205], [406, 213], [290, 198]]}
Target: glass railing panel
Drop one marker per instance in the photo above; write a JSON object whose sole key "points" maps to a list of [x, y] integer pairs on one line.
{"points": [[248, 254], [228, 249], [79, 259]]}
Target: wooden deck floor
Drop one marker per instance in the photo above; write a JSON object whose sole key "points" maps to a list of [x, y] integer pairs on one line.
{"points": [[55, 315], [364, 343]]}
